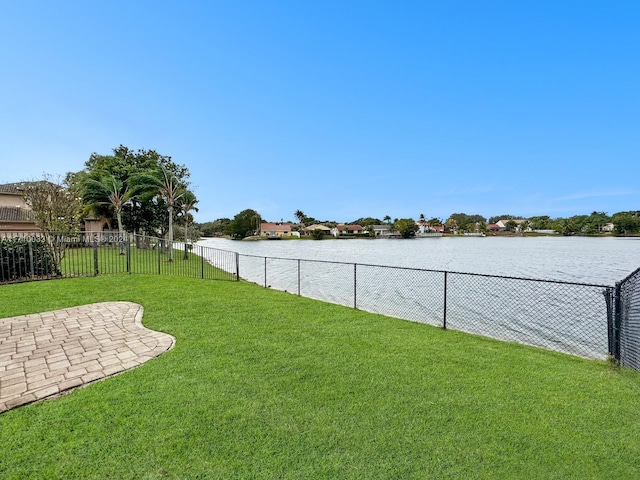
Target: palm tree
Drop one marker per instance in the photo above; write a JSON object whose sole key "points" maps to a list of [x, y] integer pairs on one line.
{"points": [[258, 220], [299, 214], [451, 225], [387, 219], [108, 190], [187, 203], [167, 186], [423, 227]]}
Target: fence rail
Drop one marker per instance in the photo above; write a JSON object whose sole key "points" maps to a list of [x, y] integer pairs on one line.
{"points": [[593, 321]]}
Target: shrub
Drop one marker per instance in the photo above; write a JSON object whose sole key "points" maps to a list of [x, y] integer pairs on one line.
{"points": [[25, 257]]}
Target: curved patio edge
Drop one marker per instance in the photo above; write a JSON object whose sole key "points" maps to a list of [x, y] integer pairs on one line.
{"points": [[46, 354]]}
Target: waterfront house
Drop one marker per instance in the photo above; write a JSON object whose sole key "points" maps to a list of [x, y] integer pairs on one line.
{"points": [[502, 224], [275, 230], [385, 231], [426, 227], [342, 229], [311, 228]]}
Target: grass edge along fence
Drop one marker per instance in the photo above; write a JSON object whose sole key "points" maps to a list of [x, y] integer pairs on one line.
{"points": [[563, 316], [587, 320]]}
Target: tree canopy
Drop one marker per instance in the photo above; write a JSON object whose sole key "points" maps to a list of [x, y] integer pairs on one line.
{"points": [[137, 177], [406, 227], [54, 205], [214, 229], [626, 222], [466, 223], [244, 224], [56, 209], [497, 218], [367, 221]]}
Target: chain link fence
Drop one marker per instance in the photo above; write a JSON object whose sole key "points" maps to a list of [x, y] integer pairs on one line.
{"points": [[562, 316], [593, 321], [626, 325]]}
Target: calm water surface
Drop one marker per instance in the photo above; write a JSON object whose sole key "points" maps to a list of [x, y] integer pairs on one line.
{"points": [[574, 259]]}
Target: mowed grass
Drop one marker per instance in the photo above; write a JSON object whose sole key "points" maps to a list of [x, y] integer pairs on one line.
{"points": [[264, 384]]}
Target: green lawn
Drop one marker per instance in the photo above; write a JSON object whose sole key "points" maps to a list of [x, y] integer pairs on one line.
{"points": [[264, 384]]}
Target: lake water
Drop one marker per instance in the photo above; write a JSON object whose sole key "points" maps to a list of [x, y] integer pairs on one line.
{"points": [[557, 316], [595, 260]]}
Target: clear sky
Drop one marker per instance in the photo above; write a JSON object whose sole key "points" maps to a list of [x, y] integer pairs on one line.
{"points": [[342, 109]]}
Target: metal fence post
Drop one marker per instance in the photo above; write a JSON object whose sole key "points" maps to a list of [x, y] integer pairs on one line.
{"points": [[617, 315], [160, 247], [298, 277], [31, 259], [95, 255], [128, 253], [237, 267], [444, 319], [265, 272], [202, 260], [355, 286]]}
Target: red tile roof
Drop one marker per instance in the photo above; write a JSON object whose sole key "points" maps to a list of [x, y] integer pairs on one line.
{"points": [[349, 227], [276, 227]]}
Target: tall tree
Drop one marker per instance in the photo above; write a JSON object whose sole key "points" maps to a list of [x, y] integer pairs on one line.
{"points": [[102, 188], [164, 184], [243, 224], [466, 222], [56, 210], [299, 214], [141, 214], [542, 222], [451, 225], [54, 206], [215, 228], [406, 227], [187, 203], [626, 222], [523, 227]]}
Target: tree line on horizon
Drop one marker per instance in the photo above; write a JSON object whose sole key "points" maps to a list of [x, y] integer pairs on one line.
{"points": [[145, 192], [247, 223]]}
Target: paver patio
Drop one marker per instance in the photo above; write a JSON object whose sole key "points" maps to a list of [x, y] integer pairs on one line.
{"points": [[45, 354]]}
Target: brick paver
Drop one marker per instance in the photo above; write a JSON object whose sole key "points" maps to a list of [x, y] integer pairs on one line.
{"points": [[48, 353]]}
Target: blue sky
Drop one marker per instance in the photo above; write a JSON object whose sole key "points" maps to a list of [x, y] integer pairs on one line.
{"points": [[339, 108]]}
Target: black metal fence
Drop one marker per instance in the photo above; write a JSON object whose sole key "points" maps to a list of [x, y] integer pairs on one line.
{"points": [[36, 256], [593, 321], [625, 331]]}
